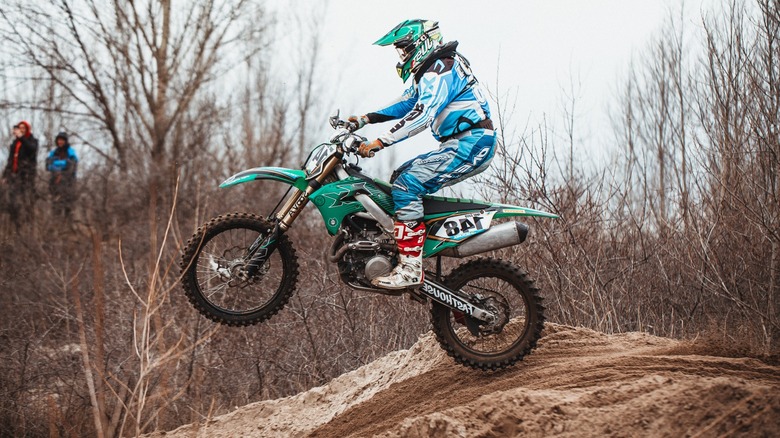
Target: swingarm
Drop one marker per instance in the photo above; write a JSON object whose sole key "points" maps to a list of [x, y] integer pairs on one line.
{"points": [[454, 300]]}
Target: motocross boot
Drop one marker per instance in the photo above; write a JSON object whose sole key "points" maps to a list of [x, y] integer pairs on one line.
{"points": [[410, 237]]}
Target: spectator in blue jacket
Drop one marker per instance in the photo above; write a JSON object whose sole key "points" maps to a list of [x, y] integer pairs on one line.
{"points": [[62, 163]]}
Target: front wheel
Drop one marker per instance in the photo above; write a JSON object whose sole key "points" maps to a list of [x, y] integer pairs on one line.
{"points": [[214, 266], [506, 291]]}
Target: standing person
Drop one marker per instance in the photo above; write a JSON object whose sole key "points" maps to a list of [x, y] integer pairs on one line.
{"points": [[62, 163], [446, 96], [19, 173]]}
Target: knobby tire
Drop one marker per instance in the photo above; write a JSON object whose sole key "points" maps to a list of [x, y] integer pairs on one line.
{"points": [[443, 318], [208, 232]]}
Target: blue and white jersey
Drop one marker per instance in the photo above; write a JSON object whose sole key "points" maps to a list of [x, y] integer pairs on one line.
{"points": [[59, 160], [446, 97]]}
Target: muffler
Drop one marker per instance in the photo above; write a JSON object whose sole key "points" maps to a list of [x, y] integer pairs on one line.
{"points": [[500, 236]]}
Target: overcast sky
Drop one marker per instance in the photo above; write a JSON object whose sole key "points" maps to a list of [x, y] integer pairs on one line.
{"points": [[531, 48]]}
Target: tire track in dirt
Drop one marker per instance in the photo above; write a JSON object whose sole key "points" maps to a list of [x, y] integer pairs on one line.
{"points": [[597, 369], [576, 383]]}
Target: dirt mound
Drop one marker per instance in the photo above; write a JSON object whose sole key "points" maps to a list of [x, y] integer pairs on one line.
{"points": [[576, 383]]}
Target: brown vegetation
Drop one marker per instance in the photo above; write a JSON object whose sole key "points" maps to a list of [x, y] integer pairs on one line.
{"points": [[678, 236], [578, 382]]}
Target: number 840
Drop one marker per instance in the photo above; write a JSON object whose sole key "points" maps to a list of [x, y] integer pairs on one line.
{"points": [[455, 227]]}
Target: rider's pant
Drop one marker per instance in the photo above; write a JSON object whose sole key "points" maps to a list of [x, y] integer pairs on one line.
{"points": [[458, 158]]}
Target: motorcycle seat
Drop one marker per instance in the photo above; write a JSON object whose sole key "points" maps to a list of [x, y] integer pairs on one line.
{"points": [[431, 204], [441, 204]]}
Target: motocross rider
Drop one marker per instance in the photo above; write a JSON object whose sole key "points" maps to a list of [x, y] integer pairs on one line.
{"points": [[446, 96]]}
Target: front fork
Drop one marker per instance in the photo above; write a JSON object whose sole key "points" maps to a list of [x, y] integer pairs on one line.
{"points": [[262, 248]]}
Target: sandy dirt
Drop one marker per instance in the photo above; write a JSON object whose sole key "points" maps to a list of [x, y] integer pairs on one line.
{"points": [[576, 383]]}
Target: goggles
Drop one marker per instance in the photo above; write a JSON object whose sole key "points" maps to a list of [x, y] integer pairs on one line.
{"points": [[405, 50]]}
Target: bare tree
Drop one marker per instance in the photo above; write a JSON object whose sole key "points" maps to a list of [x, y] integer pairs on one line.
{"points": [[133, 69]]}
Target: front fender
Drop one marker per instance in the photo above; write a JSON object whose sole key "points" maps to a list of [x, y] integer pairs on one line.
{"points": [[296, 178]]}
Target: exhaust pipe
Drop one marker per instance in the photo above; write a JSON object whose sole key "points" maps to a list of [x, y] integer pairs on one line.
{"points": [[500, 236]]}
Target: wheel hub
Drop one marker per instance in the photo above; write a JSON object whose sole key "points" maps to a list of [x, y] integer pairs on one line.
{"points": [[497, 307], [235, 273]]}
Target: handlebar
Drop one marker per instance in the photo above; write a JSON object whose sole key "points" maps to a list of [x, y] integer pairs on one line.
{"points": [[351, 126], [351, 146], [346, 124], [349, 140]]}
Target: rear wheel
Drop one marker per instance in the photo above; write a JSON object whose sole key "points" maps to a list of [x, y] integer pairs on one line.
{"points": [[214, 271], [507, 292]]}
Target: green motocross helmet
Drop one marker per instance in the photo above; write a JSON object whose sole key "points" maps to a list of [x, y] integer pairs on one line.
{"points": [[414, 40]]}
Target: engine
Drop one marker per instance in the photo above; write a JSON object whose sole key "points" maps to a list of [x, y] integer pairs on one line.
{"points": [[363, 251]]}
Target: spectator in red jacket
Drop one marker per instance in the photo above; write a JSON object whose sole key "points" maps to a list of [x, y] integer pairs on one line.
{"points": [[19, 173]]}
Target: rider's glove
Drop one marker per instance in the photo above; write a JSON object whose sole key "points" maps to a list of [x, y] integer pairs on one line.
{"points": [[368, 149], [359, 121]]}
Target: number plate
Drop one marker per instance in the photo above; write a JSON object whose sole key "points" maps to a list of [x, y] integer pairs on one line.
{"points": [[463, 226], [318, 156]]}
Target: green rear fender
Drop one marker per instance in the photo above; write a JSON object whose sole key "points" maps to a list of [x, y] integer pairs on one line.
{"points": [[513, 210], [295, 178], [446, 230]]}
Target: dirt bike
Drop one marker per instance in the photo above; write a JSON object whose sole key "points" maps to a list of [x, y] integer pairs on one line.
{"points": [[240, 269]]}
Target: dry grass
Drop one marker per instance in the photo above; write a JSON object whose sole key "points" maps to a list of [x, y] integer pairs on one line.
{"points": [[677, 237]]}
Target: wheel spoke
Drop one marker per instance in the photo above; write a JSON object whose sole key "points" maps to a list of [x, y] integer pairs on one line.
{"points": [[220, 288]]}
